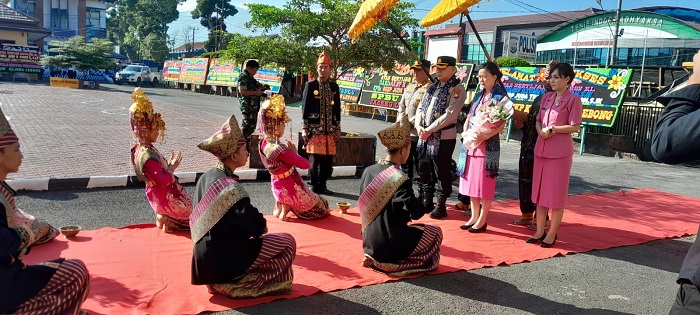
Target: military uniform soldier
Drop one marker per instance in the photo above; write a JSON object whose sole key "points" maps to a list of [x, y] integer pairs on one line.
{"points": [[249, 94]]}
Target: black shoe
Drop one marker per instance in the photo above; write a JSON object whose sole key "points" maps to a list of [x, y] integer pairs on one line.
{"points": [[535, 240], [479, 230], [438, 213], [466, 226], [548, 245]]}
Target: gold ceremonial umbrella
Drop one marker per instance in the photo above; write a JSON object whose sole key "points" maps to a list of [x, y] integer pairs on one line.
{"points": [[370, 12], [445, 10]]}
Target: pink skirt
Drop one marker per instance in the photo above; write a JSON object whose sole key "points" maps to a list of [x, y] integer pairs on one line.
{"points": [[550, 181], [477, 184]]}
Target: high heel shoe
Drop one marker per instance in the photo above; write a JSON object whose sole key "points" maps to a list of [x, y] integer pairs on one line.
{"points": [[533, 240], [479, 230], [543, 244], [466, 226]]}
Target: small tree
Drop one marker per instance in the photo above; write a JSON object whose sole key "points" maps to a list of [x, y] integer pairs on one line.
{"points": [[512, 62], [75, 52]]}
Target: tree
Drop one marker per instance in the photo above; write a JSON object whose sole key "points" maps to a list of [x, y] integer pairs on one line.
{"points": [[310, 26], [75, 52], [512, 62], [140, 27], [212, 15]]}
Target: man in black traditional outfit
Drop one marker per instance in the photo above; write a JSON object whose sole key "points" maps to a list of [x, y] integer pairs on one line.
{"points": [[320, 106], [233, 254], [387, 205]]}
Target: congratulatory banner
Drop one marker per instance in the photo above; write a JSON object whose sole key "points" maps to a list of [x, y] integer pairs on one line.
{"points": [[171, 70], [194, 70], [384, 89], [601, 90], [350, 84], [223, 72]]}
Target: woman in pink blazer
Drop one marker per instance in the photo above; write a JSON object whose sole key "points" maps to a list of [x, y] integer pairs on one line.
{"points": [[559, 116]]}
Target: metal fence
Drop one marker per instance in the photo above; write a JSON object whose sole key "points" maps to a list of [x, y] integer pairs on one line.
{"points": [[634, 120]]}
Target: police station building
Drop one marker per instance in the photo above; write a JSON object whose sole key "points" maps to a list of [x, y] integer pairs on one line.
{"points": [[655, 36]]}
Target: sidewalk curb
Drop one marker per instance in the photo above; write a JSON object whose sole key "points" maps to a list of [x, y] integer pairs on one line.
{"points": [[39, 184]]}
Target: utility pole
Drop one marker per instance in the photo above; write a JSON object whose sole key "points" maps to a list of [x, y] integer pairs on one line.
{"points": [[617, 30]]}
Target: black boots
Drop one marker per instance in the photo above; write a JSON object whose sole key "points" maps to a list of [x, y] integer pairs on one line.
{"points": [[428, 200], [440, 210]]}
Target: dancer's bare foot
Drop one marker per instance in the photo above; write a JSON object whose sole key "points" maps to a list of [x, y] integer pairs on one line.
{"points": [[159, 224], [276, 210], [283, 213], [210, 289]]}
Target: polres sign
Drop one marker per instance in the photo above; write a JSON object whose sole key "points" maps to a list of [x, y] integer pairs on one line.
{"points": [[520, 45]]}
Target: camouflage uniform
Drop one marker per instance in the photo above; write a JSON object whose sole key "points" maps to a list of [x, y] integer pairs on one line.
{"points": [[250, 105]]}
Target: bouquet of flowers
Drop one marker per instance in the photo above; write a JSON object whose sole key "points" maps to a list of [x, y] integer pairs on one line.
{"points": [[486, 119]]}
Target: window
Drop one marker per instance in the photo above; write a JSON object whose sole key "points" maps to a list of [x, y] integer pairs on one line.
{"points": [[93, 17], [59, 18], [27, 7]]}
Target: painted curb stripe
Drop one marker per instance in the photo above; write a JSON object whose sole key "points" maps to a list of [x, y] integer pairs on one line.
{"points": [[39, 184]]}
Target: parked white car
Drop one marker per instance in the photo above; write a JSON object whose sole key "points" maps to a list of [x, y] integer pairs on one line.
{"points": [[136, 75]]}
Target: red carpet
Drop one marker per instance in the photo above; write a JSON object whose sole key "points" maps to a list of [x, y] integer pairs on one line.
{"points": [[140, 270]]}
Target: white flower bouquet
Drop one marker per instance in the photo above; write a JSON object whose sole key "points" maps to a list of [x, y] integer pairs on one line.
{"points": [[486, 119]]}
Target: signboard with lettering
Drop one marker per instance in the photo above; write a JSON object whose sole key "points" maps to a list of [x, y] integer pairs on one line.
{"points": [[63, 82], [520, 45], [223, 72], [15, 58], [383, 89], [350, 84], [601, 90], [171, 70], [194, 70], [270, 76]]}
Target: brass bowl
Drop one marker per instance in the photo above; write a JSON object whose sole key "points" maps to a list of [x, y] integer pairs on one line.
{"points": [[70, 230], [344, 206]]}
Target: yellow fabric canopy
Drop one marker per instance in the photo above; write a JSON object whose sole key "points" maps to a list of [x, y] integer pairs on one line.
{"points": [[445, 10], [367, 15]]}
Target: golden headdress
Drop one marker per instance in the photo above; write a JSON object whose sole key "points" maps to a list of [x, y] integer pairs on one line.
{"points": [[226, 141], [142, 117], [324, 58], [7, 135], [272, 112], [397, 135]]}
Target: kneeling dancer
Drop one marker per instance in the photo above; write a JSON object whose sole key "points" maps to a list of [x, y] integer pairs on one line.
{"points": [[281, 161], [233, 254], [387, 205]]}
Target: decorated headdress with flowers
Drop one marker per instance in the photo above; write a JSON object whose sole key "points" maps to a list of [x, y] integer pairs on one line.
{"points": [[272, 112], [142, 117]]}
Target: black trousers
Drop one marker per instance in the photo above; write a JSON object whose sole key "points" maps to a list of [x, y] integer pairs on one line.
{"points": [[439, 169], [525, 170], [687, 300], [410, 164], [321, 170]]}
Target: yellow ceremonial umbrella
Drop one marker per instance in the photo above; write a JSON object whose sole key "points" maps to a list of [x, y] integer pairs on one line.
{"points": [[446, 9], [370, 12]]}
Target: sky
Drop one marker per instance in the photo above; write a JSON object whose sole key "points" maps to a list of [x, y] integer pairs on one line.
{"points": [[484, 9]]}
